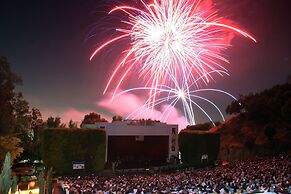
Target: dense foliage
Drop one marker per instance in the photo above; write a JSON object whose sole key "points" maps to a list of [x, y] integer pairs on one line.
{"points": [[268, 106], [262, 127], [18, 122], [8, 96], [9, 143], [193, 145], [61, 147], [117, 118], [92, 118]]}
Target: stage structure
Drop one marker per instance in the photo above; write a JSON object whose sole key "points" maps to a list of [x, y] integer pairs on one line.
{"points": [[139, 143]]}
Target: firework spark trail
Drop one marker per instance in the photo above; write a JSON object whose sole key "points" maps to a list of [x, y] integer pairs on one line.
{"points": [[172, 37], [171, 96], [173, 44]]}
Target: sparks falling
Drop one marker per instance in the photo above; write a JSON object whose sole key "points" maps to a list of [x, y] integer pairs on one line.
{"points": [[172, 95], [180, 39]]}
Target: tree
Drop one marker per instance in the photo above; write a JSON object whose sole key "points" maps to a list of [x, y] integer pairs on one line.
{"points": [[92, 118], [30, 139], [268, 106], [37, 126], [22, 114], [63, 125], [117, 118], [235, 107], [53, 122], [36, 120], [72, 124], [16, 118], [8, 81], [11, 144]]}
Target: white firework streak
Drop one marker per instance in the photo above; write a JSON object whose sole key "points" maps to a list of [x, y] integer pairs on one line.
{"points": [[175, 46], [172, 96], [171, 38]]}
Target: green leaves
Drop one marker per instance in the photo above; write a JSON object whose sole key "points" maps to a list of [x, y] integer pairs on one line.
{"points": [[60, 147], [8, 81], [92, 118], [270, 105]]}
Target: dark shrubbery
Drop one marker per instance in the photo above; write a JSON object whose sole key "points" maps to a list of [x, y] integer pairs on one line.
{"points": [[61, 147], [269, 106], [193, 145]]}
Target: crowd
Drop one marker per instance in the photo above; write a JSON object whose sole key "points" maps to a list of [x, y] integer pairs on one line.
{"points": [[253, 176]]}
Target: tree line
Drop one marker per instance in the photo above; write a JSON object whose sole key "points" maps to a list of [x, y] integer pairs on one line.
{"points": [[269, 106], [20, 125]]}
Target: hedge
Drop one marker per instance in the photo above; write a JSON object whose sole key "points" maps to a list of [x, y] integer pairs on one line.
{"points": [[62, 147], [193, 145]]}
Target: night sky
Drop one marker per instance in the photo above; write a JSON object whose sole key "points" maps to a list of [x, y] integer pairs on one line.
{"points": [[48, 44]]}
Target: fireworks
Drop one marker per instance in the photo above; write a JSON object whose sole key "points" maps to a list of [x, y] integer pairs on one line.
{"points": [[174, 94], [174, 45]]}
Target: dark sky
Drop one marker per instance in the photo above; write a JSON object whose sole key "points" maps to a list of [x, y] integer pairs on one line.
{"points": [[46, 44]]}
